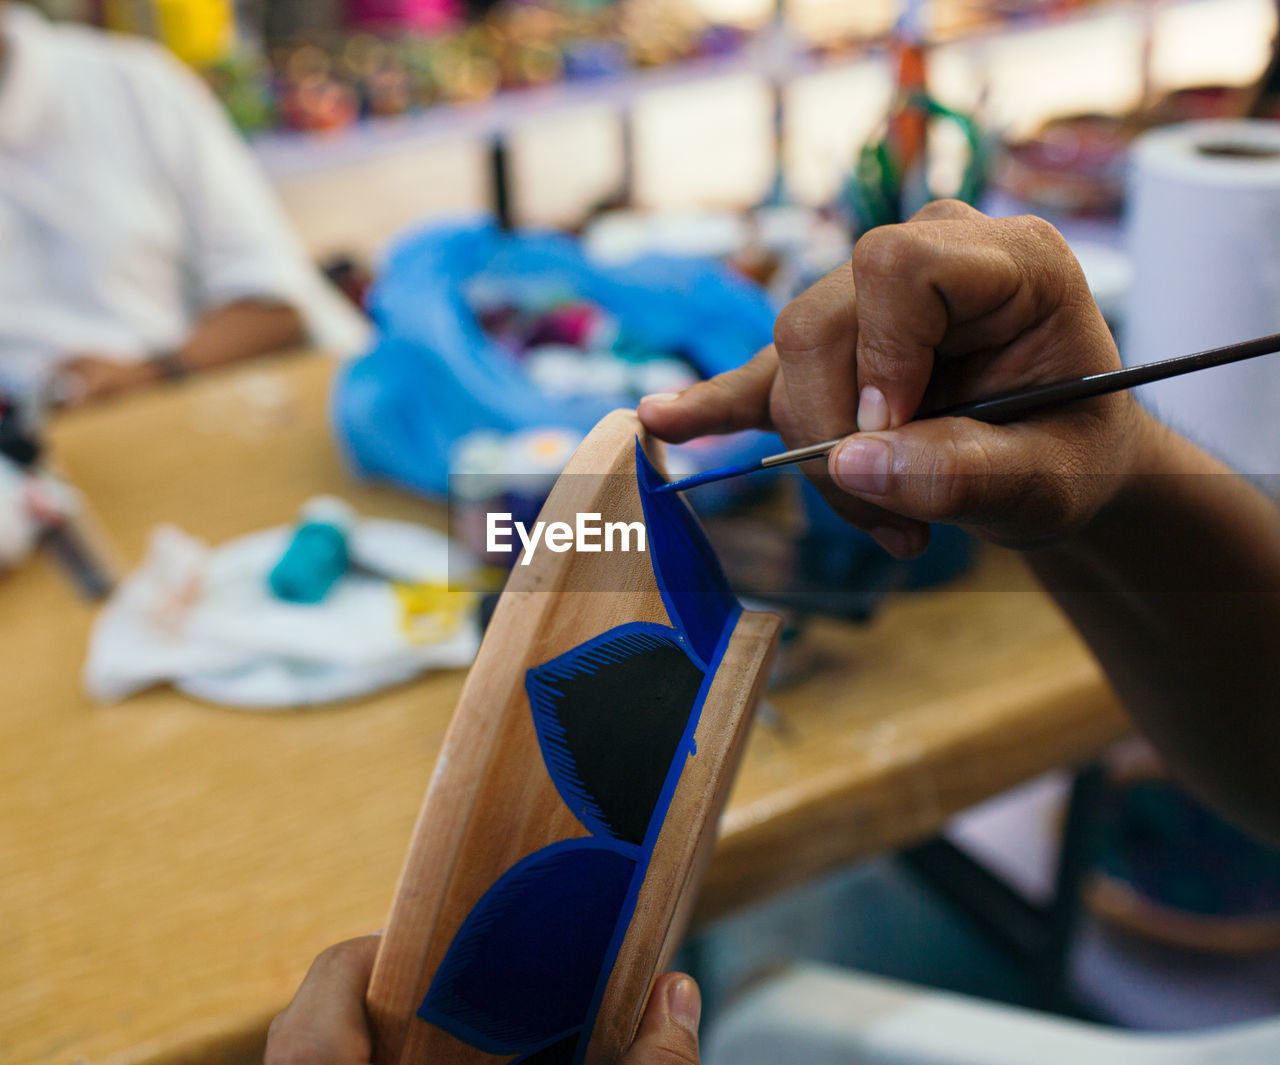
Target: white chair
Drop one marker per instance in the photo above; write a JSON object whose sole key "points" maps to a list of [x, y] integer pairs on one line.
{"points": [[819, 1015]]}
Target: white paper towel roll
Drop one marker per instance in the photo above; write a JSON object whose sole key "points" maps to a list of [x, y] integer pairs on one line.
{"points": [[1204, 232]]}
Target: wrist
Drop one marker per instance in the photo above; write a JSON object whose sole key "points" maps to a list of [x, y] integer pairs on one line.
{"points": [[1145, 448]]}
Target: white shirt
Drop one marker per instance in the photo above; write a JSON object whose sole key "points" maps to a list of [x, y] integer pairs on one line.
{"points": [[129, 207]]}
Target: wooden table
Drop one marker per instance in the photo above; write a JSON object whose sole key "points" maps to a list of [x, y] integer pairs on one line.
{"points": [[168, 870]]}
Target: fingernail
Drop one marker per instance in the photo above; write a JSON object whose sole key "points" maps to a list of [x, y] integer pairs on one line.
{"points": [[685, 1003], [661, 397], [873, 411], [862, 466]]}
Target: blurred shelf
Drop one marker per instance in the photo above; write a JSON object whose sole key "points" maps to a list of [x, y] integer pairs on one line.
{"points": [[774, 55], [285, 154]]}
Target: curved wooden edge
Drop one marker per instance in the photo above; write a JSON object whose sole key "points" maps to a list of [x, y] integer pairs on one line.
{"points": [[597, 478], [666, 900]]}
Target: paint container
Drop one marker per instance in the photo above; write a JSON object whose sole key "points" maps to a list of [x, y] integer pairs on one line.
{"points": [[661, 374], [534, 459], [317, 556], [562, 371], [475, 489], [492, 473]]}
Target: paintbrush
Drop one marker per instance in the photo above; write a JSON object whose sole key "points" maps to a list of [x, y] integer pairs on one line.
{"points": [[1019, 403]]}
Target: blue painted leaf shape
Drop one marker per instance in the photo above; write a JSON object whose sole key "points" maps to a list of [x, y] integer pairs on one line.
{"points": [[612, 715], [561, 1052], [521, 973], [693, 585]]}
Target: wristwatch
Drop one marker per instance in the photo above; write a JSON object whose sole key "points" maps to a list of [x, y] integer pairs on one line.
{"points": [[170, 366]]}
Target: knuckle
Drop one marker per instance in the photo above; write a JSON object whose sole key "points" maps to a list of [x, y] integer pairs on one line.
{"points": [[336, 956], [802, 325], [886, 251], [1046, 248], [1039, 230], [958, 479], [946, 210], [791, 327], [950, 481], [1045, 258]]}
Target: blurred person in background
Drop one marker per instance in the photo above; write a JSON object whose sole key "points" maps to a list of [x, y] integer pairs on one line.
{"points": [[138, 240]]}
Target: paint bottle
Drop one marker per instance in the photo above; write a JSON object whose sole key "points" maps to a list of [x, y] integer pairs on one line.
{"points": [[317, 555]]}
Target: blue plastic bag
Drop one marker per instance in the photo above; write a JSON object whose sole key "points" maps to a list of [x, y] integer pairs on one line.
{"points": [[434, 375]]}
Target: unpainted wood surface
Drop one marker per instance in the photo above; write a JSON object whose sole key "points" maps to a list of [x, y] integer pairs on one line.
{"points": [[168, 870]]}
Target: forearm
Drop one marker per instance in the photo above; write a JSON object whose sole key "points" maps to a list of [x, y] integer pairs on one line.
{"points": [[1175, 584], [240, 331]]}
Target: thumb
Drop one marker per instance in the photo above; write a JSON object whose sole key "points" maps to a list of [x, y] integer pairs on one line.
{"points": [[1019, 485], [668, 1033]]}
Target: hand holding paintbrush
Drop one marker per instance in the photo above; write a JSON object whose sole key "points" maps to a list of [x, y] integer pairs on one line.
{"points": [[946, 309], [1018, 403]]}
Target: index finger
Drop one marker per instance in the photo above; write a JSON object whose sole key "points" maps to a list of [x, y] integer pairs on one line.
{"points": [[727, 403], [816, 337]]}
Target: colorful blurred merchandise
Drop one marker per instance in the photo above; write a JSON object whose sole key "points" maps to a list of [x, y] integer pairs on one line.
{"points": [[294, 20], [570, 347], [1200, 102], [886, 187], [407, 56], [243, 83], [421, 16], [1077, 163], [309, 98], [1074, 164], [891, 179], [200, 32]]}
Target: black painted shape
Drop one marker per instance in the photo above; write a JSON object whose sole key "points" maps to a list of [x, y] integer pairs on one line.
{"points": [[559, 1053], [522, 970], [610, 715]]}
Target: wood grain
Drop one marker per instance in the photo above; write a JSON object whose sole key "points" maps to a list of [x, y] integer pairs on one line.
{"points": [[171, 869]]}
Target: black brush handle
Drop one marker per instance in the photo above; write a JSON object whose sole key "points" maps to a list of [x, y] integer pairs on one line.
{"points": [[1019, 403], [1010, 406]]}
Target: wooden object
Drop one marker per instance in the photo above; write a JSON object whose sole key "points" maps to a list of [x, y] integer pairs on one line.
{"points": [[578, 788], [171, 869]]}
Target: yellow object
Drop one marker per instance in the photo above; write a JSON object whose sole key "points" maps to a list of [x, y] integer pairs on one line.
{"points": [[430, 613], [199, 32]]}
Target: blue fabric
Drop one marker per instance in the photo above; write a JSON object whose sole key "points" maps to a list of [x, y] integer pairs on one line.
{"points": [[434, 376]]}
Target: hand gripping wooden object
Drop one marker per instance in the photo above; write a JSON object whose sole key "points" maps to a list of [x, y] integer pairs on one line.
{"points": [[574, 803]]}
